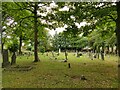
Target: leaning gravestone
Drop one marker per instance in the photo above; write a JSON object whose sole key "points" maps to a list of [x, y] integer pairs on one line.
{"points": [[5, 58]]}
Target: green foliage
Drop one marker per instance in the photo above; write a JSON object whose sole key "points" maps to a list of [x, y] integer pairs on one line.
{"points": [[29, 48], [42, 49], [13, 47], [100, 16]]}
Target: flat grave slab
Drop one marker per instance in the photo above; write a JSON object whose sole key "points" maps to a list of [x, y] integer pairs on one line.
{"points": [[19, 68]]}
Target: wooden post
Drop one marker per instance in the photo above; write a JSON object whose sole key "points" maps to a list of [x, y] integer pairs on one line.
{"points": [[69, 65]]}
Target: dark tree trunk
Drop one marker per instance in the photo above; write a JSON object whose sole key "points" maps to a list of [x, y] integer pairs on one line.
{"points": [[20, 45], [118, 28], [13, 59], [2, 45], [94, 50], [5, 62], [98, 51], [98, 55], [116, 50], [102, 52], [35, 34], [65, 51], [108, 50], [102, 55]]}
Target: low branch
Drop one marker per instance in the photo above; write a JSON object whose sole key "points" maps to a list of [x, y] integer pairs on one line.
{"points": [[30, 4], [22, 9], [17, 4], [39, 16]]}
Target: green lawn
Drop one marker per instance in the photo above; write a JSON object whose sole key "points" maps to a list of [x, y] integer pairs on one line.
{"points": [[55, 74]]}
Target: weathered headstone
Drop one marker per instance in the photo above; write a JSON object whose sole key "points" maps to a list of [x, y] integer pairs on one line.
{"points": [[79, 54], [95, 56], [59, 50], [55, 58], [65, 60], [5, 58], [83, 77]]}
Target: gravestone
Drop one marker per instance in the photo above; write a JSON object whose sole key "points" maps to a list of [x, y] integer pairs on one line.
{"points": [[55, 58], [79, 54], [5, 58], [83, 77], [65, 60], [59, 50], [95, 56]]}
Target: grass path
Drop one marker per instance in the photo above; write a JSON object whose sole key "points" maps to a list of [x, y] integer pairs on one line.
{"points": [[56, 74]]}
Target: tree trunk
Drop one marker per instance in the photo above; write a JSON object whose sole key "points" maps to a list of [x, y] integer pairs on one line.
{"points": [[20, 45], [102, 52], [35, 34], [5, 57], [98, 51], [108, 50], [13, 59], [2, 45], [102, 55], [118, 28], [116, 50], [94, 49]]}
